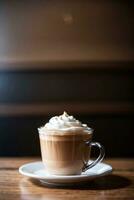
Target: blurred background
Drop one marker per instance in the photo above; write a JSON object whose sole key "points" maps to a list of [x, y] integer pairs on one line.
{"points": [[68, 55]]}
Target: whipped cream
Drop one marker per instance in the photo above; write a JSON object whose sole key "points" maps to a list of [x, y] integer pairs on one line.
{"points": [[64, 123]]}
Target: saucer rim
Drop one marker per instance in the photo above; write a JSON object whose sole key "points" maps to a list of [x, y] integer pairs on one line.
{"points": [[58, 177]]}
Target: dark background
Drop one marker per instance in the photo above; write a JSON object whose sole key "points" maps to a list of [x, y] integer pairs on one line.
{"points": [[76, 56]]}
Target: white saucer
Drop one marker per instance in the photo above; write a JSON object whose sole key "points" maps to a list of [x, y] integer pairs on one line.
{"points": [[37, 170]]}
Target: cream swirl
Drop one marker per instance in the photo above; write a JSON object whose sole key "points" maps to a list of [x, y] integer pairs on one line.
{"points": [[65, 123]]}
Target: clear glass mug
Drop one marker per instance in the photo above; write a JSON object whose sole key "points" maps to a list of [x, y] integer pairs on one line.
{"points": [[68, 154]]}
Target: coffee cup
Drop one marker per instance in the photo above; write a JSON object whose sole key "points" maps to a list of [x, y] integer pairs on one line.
{"points": [[66, 146]]}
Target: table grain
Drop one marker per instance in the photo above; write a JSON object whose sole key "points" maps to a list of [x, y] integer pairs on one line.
{"points": [[118, 185]]}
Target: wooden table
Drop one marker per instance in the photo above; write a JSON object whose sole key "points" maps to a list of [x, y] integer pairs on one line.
{"points": [[118, 185]]}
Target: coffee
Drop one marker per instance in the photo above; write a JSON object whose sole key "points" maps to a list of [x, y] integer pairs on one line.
{"points": [[65, 146], [65, 154]]}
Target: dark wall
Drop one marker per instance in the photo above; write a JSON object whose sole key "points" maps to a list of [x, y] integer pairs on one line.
{"points": [[66, 85], [66, 30], [106, 93], [69, 55], [19, 136]]}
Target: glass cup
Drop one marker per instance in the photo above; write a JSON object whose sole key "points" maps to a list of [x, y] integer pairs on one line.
{"points": [[69, 153]]}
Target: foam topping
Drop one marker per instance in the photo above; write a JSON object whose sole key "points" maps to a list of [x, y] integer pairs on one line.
{"points": [[65, 123]]}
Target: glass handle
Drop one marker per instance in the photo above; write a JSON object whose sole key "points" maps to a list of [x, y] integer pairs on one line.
{"points": [[98, 159]]}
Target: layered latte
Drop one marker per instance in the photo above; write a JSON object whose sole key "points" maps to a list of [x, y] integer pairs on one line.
{"points": [[63, 145]]}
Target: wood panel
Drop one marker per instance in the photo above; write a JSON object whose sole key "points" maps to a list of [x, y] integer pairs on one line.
{"points": [[58, 30], [94, 108], [52, 86], [14, 65]]}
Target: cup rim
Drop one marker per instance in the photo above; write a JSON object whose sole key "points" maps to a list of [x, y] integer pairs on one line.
{"points": [[62, 132]]}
